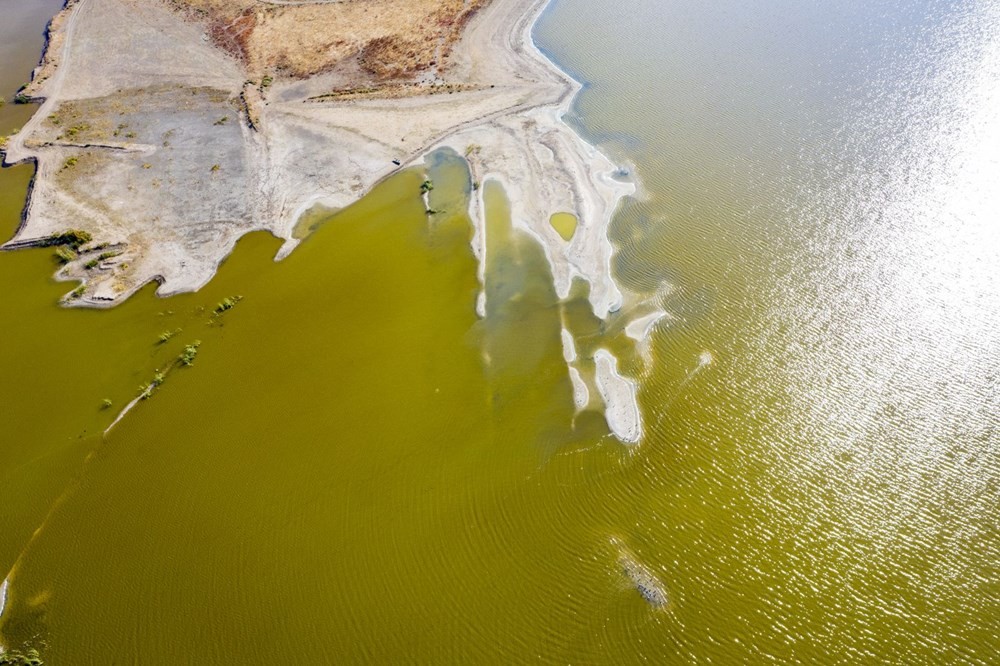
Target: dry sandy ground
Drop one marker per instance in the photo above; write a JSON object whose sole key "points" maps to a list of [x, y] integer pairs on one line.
{"points": [[168, 148]]}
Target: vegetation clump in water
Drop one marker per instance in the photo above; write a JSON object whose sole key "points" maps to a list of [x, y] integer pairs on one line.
{"points": [[146, 390], [189, 354], [16, 658], [167, 335], [227, 304]]}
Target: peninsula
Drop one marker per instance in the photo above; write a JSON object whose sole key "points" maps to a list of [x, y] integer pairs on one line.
{"points": [[168, 129]]}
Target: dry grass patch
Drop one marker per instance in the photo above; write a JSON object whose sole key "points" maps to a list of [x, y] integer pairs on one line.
{"points": [[392, 39]]}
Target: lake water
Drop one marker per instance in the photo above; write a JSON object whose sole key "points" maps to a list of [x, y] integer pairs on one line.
{"points": [[356, 467]]}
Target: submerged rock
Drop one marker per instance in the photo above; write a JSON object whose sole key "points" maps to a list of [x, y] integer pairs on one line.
{"points": [[644, 580]]}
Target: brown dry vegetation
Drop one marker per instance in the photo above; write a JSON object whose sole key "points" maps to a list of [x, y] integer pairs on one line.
{"points": [[390, 39]]}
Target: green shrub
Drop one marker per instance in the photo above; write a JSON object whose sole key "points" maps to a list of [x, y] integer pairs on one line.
{"points": [[64, 255], [426, 186], [146, 390], [73, 238]]}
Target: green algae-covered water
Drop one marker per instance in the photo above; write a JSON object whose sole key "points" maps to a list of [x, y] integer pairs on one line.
{"points": [[357, 468]]}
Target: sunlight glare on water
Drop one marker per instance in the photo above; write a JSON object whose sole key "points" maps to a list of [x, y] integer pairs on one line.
{"points": [[822, 195], [892, 356]]}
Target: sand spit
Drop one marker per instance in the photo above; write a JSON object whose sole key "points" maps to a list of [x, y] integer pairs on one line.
{"points": [[569, 346], [164, 151], [581, 394], [619, 394]]}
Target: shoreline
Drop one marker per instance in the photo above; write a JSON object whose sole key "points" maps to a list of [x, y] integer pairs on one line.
{"points": [[588, 255], [210, 182], [534, 83]]}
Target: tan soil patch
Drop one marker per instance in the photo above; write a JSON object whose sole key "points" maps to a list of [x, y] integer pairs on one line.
{"points": [[391, 39]]}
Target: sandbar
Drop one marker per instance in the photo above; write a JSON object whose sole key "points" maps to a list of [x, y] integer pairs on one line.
{"points": [[620, 398]]}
